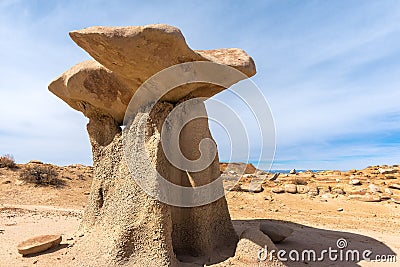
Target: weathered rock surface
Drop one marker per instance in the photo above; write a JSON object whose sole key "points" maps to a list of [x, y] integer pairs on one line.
{"points": [[355, 182], [38, 244], [313, 191]]}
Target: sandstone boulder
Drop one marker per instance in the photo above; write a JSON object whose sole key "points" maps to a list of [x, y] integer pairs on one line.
{"points": [[313, 191], [38, 244], [278, 190], [35, 162], [291, 188], [338, 190], [324, 189], [252, 242], [137, 52]]}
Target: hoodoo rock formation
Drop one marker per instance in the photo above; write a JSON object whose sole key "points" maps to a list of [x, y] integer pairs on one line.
{"points": [[122, 223]]}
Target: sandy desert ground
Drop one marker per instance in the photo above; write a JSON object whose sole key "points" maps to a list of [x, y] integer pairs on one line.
{"points": [[360, 206]]}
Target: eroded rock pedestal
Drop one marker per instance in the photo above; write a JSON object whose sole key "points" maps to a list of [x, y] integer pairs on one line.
{"points": [[122, 224]]}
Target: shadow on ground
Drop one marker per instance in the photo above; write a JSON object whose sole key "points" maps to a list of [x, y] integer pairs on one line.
{"points": [[310, 238]]}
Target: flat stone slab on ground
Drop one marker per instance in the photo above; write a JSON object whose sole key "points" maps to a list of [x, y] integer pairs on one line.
{"points": [[38, 244]]}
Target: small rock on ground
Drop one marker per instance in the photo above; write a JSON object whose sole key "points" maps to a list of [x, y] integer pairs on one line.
{"points": [[302, 189], [277, 190], [291, 188], [355, 182], [38, 244], [277, 232], [373, 188]]}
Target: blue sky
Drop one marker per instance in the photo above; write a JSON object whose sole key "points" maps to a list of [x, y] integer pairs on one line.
{"points": [[329, 69]]}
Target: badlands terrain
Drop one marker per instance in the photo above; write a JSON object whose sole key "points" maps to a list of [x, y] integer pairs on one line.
{"points": [[360, 206]]}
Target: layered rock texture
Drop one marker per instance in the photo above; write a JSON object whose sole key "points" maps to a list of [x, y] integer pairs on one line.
{"points": [[122, 224]]}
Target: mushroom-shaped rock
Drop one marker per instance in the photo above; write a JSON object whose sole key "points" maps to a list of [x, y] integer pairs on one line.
{"points": [[123, 223]]}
